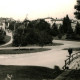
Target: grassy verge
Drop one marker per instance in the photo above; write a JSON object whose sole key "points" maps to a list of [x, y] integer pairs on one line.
{"points": [[63, 38], [53, 44], [21, 51], [28, 72], [74, 49], [7, 39], [57, 44]]}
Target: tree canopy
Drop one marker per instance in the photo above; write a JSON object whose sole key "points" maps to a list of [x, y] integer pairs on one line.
{"points": [[67, 24], [2, 35], [35, 32], [54, 30], [77, 12]]}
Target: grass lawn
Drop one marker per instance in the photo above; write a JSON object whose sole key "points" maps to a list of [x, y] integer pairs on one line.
{"points": [[70, 75], [57, 44], [63, 38], [74, 49], [7, 39], [17, 51], [53, 44], [73, 75], [28, 72]]}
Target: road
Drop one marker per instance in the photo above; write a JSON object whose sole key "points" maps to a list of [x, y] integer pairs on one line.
{"points": [[50, 58]]}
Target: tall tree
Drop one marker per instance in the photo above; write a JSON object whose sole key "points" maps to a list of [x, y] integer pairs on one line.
{"points": [[12, 25], [2, 35], [77, 28], [61, 30], [66, 24], [55, 30], [42, 25], [77, 7], [77, 15]]}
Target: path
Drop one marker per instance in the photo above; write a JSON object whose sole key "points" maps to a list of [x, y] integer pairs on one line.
{"points": [[50, 58]]}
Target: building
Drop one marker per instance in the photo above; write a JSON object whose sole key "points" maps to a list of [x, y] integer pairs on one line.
{"points": [[4, 23]]}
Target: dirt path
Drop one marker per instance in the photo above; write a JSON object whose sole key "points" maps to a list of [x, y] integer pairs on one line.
{"points": [[55, 56]]}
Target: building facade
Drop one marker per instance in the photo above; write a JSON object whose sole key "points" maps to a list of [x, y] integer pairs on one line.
{"points": [[4, 23]]}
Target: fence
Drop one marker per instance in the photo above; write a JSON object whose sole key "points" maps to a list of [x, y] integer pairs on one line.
{"points": [[70, 59]]}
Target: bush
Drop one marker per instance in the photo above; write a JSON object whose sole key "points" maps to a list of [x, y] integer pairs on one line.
{"points": [[34, 33], [2, 35], [59, 36], [56, 68]]}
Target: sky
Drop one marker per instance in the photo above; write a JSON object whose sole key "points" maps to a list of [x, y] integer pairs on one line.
{"points": [[33, 9]]}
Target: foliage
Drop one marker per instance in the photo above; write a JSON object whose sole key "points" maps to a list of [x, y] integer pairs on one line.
{"points": [[77, 15], [56, 68], [12, 25], [22, 50], [2, 35], [59, 35], [67, 28], [35, 32], [61, 30], [42, 25], [76, 34], [28, 72], [67, 25], [77, 12], [44, 38], [77, 28], [54, 30]]}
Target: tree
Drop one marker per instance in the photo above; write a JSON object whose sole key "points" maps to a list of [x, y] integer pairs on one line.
{"points": [[32, 37], [11, 25], [61, 30], [67, 24], [77, 28], [77, 15], [57, 68], [77, 7], [26, 22], [2, 35], [69, 32], [44, 38], [42, 25], [76, 34], [36, 32], [18, 36], [55, 30]]}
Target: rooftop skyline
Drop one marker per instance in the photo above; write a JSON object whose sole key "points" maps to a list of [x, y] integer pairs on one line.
{"points": [[33, 9]]}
